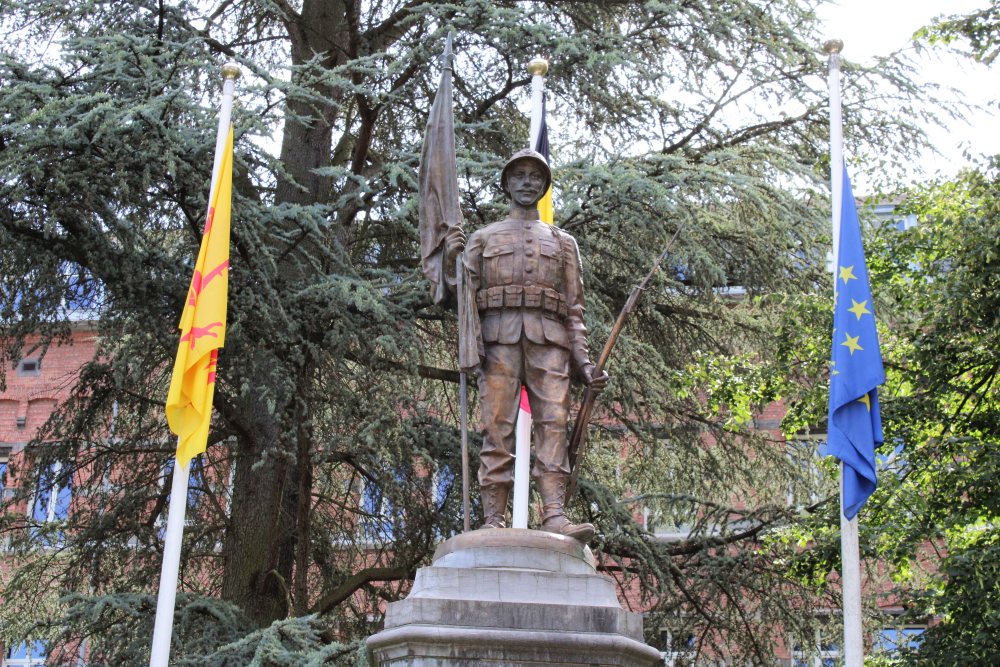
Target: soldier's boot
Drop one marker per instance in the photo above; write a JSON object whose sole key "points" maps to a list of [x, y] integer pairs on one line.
{"points": [[552, 487], [495, 505]]}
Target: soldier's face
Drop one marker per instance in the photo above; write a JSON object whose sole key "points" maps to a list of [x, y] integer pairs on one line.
{"points": [[525, 181]]}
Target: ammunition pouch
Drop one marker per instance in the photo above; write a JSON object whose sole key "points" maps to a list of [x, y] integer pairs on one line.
{"points": [[546, 299]]}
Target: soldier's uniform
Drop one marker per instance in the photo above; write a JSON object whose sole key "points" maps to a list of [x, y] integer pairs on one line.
{"points": [[526, 278]]}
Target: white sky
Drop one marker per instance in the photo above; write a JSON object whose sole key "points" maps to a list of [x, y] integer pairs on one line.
{"points": [[871, 28]]}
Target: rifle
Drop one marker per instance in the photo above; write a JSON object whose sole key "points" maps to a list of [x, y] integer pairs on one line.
{"points": [[578, 439]]}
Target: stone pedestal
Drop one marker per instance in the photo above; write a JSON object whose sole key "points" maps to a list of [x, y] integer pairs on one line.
{"points": [[511, 597]]}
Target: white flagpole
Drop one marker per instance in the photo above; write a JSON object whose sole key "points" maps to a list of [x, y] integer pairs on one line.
{"points": [[522, 469], [849, 548], [164, 624], [538, 67], [833, 47]]}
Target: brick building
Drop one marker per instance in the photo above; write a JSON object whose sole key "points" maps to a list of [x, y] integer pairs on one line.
{"points": [[36, 385]]}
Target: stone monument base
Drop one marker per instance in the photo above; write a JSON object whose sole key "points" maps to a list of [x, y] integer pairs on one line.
{"points": [[511, 597]]}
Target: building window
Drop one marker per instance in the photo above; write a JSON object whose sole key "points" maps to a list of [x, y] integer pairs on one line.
{"points": [[4, 458], [29, 367], [678, 649], [26, 654], [51, 505], [447, 488], [378, 514], [892, 640], [817, 475], [196, 480], [829, 655], [823, 651], [196, 487], [53, 497], [83, 294]]}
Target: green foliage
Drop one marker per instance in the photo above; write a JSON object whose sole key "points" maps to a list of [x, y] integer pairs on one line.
{"points": [[333, 454], [208, 633], [117, 627], [979, 29], [933, 519], [940, 512]]}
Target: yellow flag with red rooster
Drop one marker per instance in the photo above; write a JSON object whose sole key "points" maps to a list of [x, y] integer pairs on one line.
{"points": [[203, 323]]}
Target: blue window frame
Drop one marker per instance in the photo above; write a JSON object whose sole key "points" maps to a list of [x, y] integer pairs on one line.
{"points": [[445, 480], [382, 517], [26, 654], [380, 514], [83, 291], [677, 648], [51, 505], [824, 653], [447, 484], [809, 454], [195, 490], [893, 640], [77, 295], [53, 497], [3, 474], [196, 480]]}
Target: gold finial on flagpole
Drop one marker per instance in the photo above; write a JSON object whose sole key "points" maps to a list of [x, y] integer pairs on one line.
{"points": [[538, 66], [231, 71], [833, 46]]}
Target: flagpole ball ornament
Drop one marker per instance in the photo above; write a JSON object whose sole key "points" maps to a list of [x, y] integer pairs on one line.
{"points": [[538, 66], [535, 158], [833, 46], [231, 71]]}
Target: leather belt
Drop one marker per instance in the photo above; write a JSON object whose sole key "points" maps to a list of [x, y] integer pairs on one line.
{"points": [[516, 296]]}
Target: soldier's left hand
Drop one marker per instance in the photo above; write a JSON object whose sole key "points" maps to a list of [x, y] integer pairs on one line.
{"points": [[454, 240], [595, 383]]}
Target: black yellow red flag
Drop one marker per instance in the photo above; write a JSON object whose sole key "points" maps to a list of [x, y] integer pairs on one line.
{"points": [[546, 210]]}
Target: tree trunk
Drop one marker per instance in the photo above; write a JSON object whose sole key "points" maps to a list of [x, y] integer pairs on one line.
{"points": [[322, 30], [258, 548], [269, 523]]}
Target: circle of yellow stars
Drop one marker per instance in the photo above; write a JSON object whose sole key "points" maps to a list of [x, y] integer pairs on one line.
{"points": [[859, 309]]}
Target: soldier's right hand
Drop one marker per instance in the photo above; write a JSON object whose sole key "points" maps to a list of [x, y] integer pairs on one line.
{"points": [[595, 383]]}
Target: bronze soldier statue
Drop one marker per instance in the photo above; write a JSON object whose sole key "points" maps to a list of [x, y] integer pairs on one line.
{"points": [[522, 278]]}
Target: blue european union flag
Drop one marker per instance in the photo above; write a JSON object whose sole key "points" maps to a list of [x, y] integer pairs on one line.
{"points": [[854, 424]]}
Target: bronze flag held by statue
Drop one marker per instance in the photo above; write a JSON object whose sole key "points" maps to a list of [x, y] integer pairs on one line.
{"points": [[441, 233], [439, 208]]}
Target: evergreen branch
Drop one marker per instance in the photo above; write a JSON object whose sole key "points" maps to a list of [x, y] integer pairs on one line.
{"points": [[329, 600]]}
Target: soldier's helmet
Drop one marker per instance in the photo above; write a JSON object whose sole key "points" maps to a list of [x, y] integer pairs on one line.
{"points": [[526, 154]]}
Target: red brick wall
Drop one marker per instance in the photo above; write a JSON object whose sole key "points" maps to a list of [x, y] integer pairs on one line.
{"points": [[35, 397]]}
